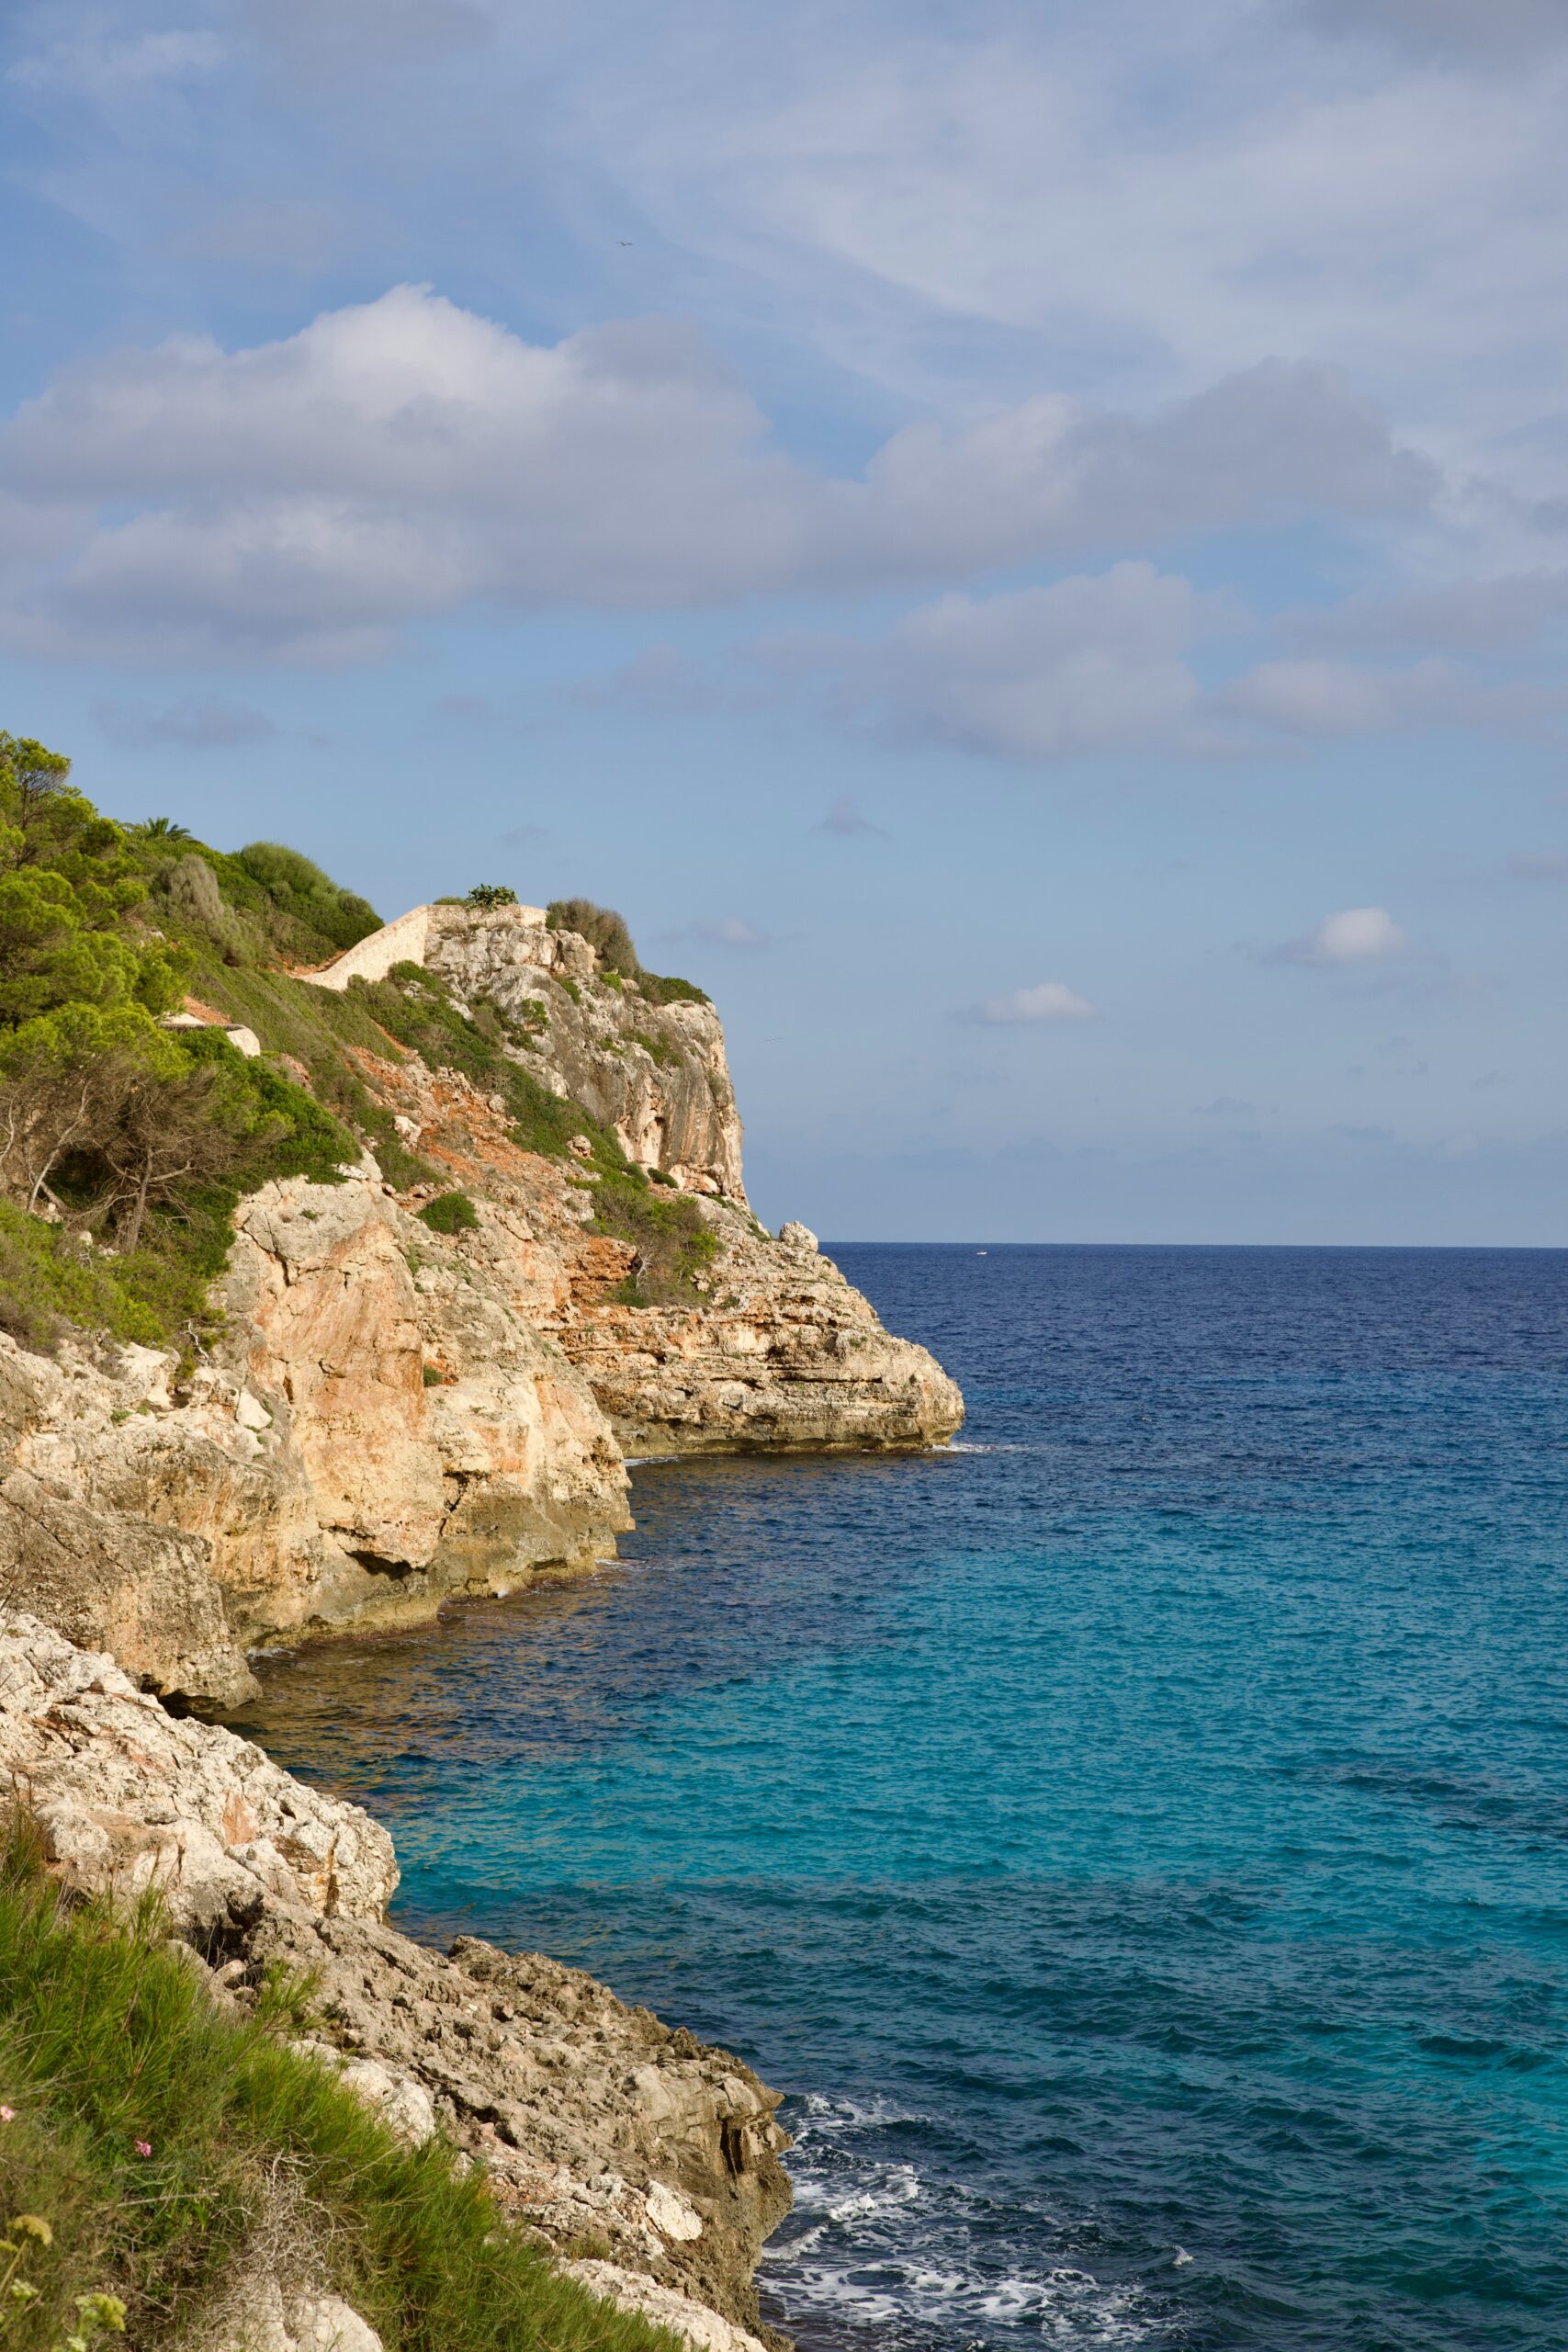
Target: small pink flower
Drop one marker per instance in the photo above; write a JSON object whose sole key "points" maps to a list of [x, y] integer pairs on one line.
{"points": [[7, 2115], [142, 2147]]}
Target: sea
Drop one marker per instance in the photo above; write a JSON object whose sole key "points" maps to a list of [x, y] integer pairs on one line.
{"points": [[1135, 1838]]}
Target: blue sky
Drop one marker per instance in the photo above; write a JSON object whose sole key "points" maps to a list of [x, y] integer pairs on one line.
{"points": [[1025, 546]]}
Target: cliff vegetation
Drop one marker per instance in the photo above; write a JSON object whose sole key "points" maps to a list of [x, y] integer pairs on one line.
{"points": [[126, 1142], [153, 2150]]}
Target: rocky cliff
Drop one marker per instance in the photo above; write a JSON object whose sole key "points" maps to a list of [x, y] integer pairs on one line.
{"points": [[377, 1430], [654, 1073], [645, 2160], [386, 1415]]}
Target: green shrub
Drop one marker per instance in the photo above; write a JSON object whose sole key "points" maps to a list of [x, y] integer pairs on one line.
{"points": [[299, 885], [673, 1243], [671, 992], [450, 1212], [50, 1279], [490, 894], [660, 1049], [145, 2126], [603, 928]]}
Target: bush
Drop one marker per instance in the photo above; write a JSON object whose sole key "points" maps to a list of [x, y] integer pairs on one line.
{"points": [[50, 1279], [603, 928], [299, 887], [144, 2128], [672, 1242], [490, 894], [450, 1212], [668, 991]]}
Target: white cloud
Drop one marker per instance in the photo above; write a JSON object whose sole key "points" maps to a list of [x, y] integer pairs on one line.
{"points": [[1102, 663], [1356, 935], [1323, 698], [659, 680], [1500, 29], [404, 459], [847, 822], [322, 39], [1046, 1000], [1162, 193], [1503, 613]]}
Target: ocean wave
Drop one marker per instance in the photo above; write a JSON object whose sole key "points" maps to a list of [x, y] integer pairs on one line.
{"points": [[876, 2246]]}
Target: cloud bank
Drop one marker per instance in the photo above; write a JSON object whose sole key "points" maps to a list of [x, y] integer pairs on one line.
{"points": [[405, 458]]}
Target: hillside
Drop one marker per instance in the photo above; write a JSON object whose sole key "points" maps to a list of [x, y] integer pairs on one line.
{"points": [[338, 1266]]}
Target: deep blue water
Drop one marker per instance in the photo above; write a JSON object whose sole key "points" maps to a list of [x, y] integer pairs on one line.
{"points": [[1138, 1841]]}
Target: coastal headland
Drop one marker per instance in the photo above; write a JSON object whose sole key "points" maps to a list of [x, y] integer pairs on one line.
{"points": [[367, 1255]]}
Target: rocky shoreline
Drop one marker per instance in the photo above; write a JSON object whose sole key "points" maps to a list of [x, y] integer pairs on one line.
{"points": [[646, 2163], [386, 1411]]}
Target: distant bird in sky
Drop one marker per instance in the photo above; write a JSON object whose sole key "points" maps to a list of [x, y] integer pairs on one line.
{"points": [[626, 242]]}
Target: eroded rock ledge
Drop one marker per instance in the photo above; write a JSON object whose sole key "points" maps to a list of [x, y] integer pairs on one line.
{"points": [[645, 2159]]}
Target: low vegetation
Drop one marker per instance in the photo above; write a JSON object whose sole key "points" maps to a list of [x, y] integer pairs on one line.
{"points": [[450, 1212], [124, 1143], [673, 1246], [150, 2145], [607, 934]]}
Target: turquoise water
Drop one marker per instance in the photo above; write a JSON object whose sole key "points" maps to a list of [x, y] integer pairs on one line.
{"points": [[1138, 1841]]}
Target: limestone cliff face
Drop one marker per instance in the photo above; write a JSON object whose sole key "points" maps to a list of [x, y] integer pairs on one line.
{"points": [[378, 1432], [775, 1351], [783, 1353], [779, 1351], [656, 1074]]}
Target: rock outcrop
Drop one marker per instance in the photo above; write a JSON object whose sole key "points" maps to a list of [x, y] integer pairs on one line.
{"points": [[653, 1072], [128, 1798], [646, 2158], [378, 1431], [656, 1074], [775, 1350]]}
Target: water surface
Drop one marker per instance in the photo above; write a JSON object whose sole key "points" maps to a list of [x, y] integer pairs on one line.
{"points": [[1138, 1841]]}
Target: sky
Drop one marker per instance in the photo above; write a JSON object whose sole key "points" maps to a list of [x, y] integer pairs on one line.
{"points": [[1023, 546]]}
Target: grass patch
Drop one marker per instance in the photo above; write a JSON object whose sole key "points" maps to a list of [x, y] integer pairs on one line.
{"points": [[145, 2126], [667, 990]]}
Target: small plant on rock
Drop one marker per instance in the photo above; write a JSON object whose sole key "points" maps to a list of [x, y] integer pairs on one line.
{"points": [[450, 1212]]}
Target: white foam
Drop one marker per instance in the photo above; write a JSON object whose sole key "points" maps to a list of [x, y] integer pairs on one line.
{"points": [[882, 2248]]}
